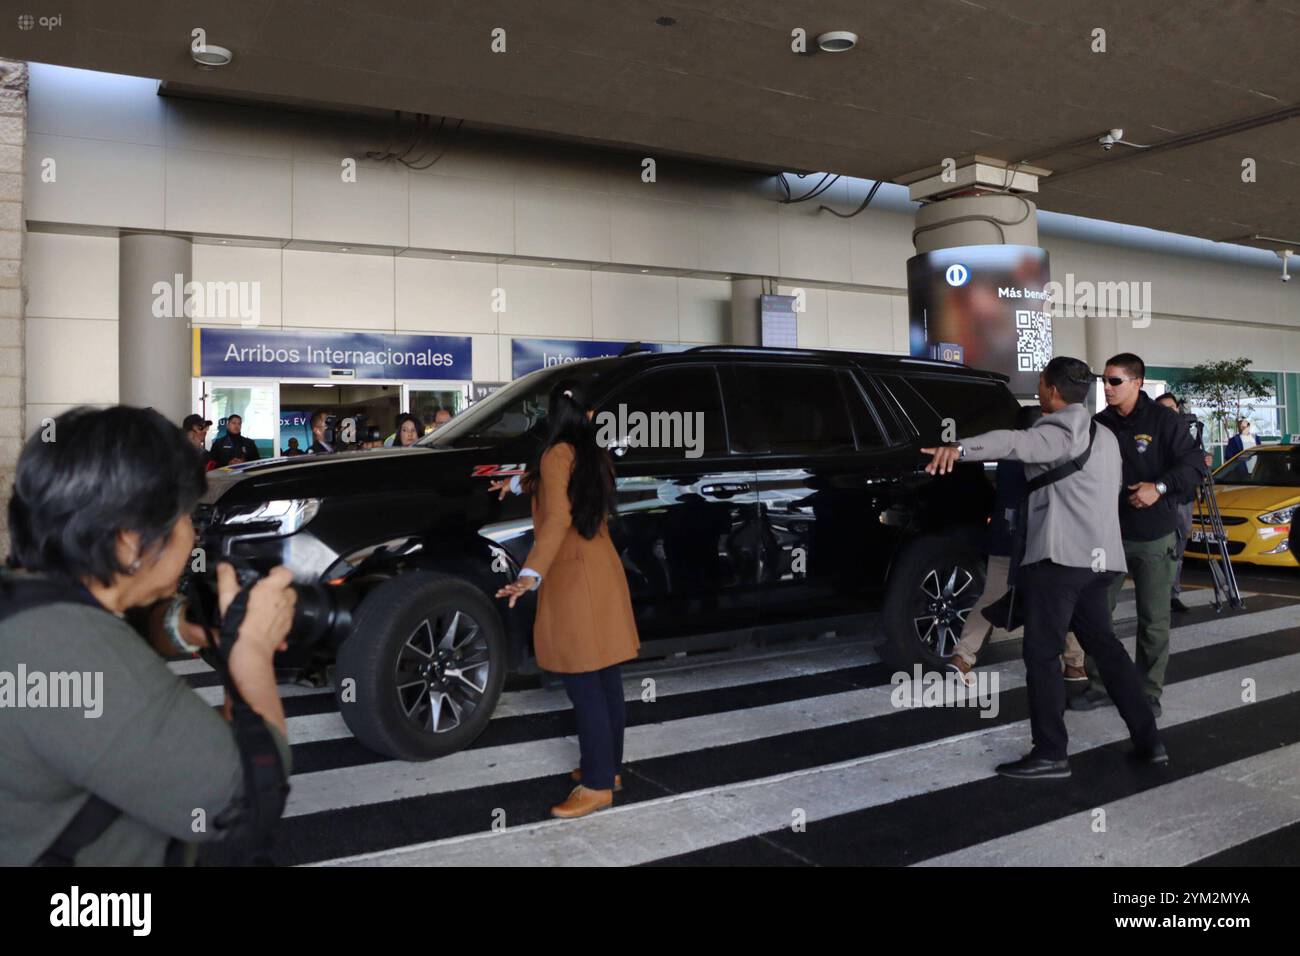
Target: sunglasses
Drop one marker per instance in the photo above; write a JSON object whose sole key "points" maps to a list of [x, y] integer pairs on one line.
{"points": [[1117, 382]]}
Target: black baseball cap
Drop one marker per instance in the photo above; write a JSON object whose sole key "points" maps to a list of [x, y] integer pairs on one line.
{"points": [[195, 421]]}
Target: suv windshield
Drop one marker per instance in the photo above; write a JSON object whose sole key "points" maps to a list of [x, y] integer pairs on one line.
{"points": [[515, 410], [504, 414], [1262, 467]]}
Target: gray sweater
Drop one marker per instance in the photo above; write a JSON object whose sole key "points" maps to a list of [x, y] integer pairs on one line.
{"points": [[1074, 521], [156, 751]]}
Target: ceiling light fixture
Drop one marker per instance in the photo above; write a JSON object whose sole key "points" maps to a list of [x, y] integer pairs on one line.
{"points": [[210, 57], [837, 41]]}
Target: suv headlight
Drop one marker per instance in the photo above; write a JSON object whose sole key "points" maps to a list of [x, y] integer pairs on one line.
{"points": [[269, 519], [1280, 516]]}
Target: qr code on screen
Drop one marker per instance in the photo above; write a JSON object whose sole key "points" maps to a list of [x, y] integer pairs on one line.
{"points": [[1033, 340]]}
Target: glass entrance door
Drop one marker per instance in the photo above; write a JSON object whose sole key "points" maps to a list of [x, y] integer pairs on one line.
{"points": [[424, 401], [256, 403]]}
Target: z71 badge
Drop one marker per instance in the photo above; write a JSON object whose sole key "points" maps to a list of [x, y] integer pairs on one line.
{"points": [[496, 471]]}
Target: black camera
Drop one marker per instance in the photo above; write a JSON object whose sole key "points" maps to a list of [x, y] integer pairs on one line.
{"points": [[320, 615]]}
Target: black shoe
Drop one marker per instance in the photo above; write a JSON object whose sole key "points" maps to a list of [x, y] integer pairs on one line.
{"points": [[1155, 705], [1091, 699], [1157, 757], [1178, 606], [1035, 768]]}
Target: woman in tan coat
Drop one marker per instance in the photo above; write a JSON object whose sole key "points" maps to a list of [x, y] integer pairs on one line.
{"points": [[584, 626]]}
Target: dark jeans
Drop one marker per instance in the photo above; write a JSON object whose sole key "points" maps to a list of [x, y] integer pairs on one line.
{"points": [[598, 706], [1059, 599]]}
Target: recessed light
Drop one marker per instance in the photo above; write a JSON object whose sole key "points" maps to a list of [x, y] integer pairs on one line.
{"points": [[344, 248], [645, 270], [210, 56], [225, 242], [837, 41], [453, 257]]}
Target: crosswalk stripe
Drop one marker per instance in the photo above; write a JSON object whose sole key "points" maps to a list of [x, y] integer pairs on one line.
{"points": [[392, 780], [651, 830], [1173, 825], [1125, 611]]}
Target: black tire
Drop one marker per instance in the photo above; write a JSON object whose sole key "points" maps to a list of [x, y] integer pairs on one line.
{"points": [[932, 588], [414, 626]]}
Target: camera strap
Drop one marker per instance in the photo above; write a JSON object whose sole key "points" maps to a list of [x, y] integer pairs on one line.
{"points": [[265, 788]]}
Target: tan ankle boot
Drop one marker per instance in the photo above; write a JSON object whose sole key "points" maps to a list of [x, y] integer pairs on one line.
{"points": [[582, 802]]}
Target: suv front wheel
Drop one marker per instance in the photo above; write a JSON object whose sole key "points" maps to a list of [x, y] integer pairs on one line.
{"points": [[931, 592], [427, 660]]}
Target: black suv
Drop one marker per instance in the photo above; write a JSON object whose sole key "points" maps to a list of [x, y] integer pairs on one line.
{"points": [[799, 506]]}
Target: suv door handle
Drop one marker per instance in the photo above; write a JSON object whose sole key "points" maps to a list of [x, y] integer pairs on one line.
{"points": [[726, 489]]}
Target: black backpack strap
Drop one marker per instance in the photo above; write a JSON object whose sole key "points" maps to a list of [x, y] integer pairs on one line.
{"points": [[87, 826], [265, 789], [1066, 469]]}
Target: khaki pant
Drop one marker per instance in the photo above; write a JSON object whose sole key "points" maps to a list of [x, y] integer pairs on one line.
{"points": [[977, 628]]}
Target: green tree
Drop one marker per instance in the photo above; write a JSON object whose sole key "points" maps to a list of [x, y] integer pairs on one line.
{"points": [[1226, 390]]}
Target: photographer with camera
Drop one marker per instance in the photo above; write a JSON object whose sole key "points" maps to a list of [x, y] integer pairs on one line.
{"points": [[140, 770]]}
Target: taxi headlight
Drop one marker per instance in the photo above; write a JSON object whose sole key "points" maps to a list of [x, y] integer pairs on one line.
{"points": [[1280, 516]]}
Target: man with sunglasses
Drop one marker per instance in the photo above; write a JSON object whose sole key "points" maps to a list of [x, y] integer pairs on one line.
{"points": [[1162, 466]]}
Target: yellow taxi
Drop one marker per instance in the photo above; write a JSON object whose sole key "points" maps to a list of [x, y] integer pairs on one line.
{"points": [[1257, 491]]}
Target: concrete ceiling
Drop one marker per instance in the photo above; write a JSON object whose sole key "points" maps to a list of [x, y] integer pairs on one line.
{"points": [[1012, 79]]}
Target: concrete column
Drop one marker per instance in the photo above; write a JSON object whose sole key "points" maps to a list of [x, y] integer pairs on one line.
{"points": [[1100, 339], [988, 219], [153, 351], [13, 233], [746, 312]]}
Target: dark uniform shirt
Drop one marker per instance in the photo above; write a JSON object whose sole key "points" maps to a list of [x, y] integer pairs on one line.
{"points": [[1155, 445], [230, 446]]}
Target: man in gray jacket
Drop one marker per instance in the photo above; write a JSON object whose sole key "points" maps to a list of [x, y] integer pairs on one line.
{"points": [[1072, 552]]}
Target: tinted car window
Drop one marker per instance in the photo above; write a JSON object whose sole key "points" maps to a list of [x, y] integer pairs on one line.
{"points": [[913, 408], [977, 406], [792, 410], [678, 411], [865, 427]]}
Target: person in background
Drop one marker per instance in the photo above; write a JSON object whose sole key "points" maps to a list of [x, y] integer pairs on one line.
{"points": [[1183, 530], [373, 439], [293, 449], [1010, 488], [100, 522], [1069, 522], [407, 433], [1162, 466], [1245, 438], [232, 448], [584, 628], [441, 417], [319, 446], [196, 428]]}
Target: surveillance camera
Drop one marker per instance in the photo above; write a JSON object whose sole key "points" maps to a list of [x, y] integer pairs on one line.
{"points": [[1110, 139]]}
